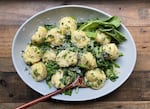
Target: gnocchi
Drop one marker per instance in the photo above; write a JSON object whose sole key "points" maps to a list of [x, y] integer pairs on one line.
{"points": [[111, 51], [54, 37], [40, 35], [80, 39], [38, 71], [67, 25], [88, 61], [56, 79], [102, 38], [49, 55], [66, 58], [32, 54], [95, 78]]}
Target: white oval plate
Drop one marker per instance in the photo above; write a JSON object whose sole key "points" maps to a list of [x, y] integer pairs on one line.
{"points": [[51, 16]]}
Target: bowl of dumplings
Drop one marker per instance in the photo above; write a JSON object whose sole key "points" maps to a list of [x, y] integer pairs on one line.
{"points": [[54, 46]]}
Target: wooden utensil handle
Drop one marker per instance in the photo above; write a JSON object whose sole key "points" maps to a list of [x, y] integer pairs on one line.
{"points": [[43, 98], [77, 82]]}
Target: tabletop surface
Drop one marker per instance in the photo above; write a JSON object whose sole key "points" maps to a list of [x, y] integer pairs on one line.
{"points": [[133, 94]]}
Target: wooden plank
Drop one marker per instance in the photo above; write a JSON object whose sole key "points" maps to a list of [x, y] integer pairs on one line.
{"points": [[12, 89], [132, 13], [6, 38], [84, 105], [6, 65]]}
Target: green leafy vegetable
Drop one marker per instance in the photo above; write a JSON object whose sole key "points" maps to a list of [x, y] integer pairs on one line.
{"points": [[48, 27], [91, 34], [111, 74], [118, 36], [68, 92], [115, 20], [108, 26], [51, 68]]}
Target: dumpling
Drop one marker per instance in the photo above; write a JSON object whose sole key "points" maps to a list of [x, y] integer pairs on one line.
{"points": [[38, 71], [67, 25], [66, 58], [32, 54], [49, 55], [110, 51], [40, 35], [55, 37], [95, 78], [56, 79], [102, 38], [87, 61], [80, 39]]}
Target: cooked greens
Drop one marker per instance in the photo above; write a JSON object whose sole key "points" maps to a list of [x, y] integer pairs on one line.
{"points": [[108, 26]]}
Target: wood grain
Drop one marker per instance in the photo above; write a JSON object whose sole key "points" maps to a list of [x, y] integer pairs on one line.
{"points": [[132, 13], [84, 105], [13, 89]]}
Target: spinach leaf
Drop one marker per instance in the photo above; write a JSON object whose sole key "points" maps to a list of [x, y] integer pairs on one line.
{"points": [[68, 92], [108, 26], [91, 35], [116, 35], [111, 75], [115, 20], [51, 68], [49, 27]]}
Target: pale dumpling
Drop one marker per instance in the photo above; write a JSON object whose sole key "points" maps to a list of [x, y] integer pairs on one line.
{"points": [[67, 25], [80, 39], [32, 54], [38, 71], [40, 35], [102, 38], [66, 58], [49, 55], [56, 79], [87, 61], [95, 78], [55, 37], [110, 51]]}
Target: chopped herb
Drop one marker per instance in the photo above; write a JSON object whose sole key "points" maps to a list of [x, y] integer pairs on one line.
{"points": [[36, 73], [25, 69], [68, 92], [49, 27]]}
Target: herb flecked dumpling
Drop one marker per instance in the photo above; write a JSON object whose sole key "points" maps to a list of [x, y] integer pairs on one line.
{"points": [[54, 37], [49, 55], [56, 79], [38, 71], [80, 39], [102, 38], [39, 36], [67, 25], [110, 51], [87, 61], [32, 54], [66, 58], [95, 78]]}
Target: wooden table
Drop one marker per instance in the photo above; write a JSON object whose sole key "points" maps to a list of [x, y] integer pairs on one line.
{"points": [[133, 94]]}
